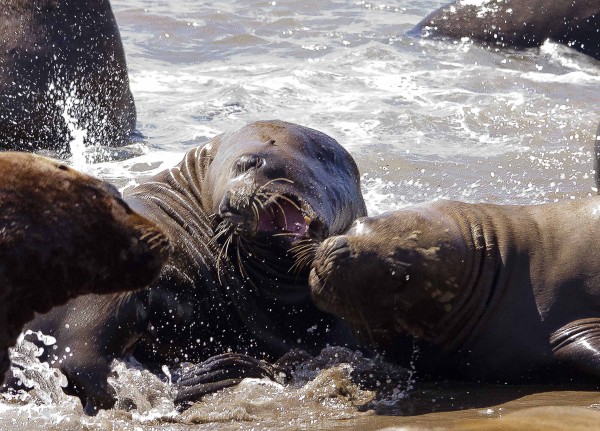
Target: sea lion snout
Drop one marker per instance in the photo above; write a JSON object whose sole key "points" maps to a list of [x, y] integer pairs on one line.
{"points": [[324, 276]]}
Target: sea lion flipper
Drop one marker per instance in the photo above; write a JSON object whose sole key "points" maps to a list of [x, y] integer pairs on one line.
{"points": [[193, 381], [578, 343], [86, 345], [87, 380]]}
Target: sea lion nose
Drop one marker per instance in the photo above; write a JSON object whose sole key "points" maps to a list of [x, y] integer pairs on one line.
{"points": [[247, 162], [332, 251]]}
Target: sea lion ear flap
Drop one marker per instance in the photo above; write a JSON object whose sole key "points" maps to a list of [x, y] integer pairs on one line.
{"points": [[578, 344]]}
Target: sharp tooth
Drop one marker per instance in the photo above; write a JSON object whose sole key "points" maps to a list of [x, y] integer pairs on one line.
{"points": [[307, 219]]}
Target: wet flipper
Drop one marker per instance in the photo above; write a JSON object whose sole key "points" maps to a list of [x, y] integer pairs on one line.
{"points": [[193, 381], [578, 344]]}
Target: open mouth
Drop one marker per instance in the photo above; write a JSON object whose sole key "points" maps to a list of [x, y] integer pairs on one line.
{"points": [[283, 216]]}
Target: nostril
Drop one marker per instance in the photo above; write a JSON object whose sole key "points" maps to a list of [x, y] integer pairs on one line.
{"points": [[339, 247], [247, 162], [227, 209]]}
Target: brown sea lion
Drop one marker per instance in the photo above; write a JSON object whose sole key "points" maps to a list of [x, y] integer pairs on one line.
{"points": [[519, 23], [62, 66], [505, 293], [237, 210], [63, 234]]}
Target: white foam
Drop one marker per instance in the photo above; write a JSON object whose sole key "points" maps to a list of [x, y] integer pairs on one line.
{"points": [[577, 78]]}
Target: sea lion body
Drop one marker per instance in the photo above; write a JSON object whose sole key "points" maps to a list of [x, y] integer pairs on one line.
{"points": [[63, 234], [519, 23], [62, 69], [502, 293], [233, 209]]}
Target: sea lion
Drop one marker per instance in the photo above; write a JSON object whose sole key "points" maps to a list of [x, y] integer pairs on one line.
{"points": [[62, 67], [237, 210], [499, 293], [519, 23], [63, 234]]}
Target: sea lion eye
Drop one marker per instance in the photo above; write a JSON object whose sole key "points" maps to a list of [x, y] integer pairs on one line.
{"points": [[247, 162]]}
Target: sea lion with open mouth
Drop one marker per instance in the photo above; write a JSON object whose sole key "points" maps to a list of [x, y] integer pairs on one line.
{"points": [[238, 211]]}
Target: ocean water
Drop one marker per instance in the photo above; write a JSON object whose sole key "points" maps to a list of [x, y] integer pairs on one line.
{"points": [[425, 119]]}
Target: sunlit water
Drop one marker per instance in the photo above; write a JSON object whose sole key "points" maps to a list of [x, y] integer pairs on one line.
{"points": [[424, 119]]}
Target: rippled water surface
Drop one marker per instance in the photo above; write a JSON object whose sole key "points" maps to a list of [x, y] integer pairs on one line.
{"points": [[424, 119]]}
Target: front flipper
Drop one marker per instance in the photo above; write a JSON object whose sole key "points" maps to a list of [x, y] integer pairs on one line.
{"points": [[87, 380], [193, 381], [578, 343], [91, 331]]}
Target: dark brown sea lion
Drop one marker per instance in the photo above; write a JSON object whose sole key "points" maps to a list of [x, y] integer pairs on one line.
{"points": [[506, 293], [519, 23], [62, 66], [237, 210], [63, 234]]}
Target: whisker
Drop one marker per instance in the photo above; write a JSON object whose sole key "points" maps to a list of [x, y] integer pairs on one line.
{"points": [[285, 198], [303, 254], [242, 246], [302, 246], [158, 240], [222, 252], [356, 311], [255, 210], [146, 234], [303, 243], [155, 237], [302, 262], [275, 180], [240, 261], [282, 212], [221, 230]]}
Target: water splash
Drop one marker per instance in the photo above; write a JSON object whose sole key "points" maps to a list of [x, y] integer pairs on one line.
{"points": [[77, 133], [142, 392], [323, 388], [44, 385]]}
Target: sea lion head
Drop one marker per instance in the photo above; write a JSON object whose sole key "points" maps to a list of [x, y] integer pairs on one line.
{"points": [[272, 185], [64, 233], [395, 274]]}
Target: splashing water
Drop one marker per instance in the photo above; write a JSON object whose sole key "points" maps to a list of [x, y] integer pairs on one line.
{"points": [[77, 133], [425, 119], [44, 383], [325, 386]]}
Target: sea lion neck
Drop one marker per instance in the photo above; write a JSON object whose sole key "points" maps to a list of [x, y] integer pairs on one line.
{"points": [[438, 277], [483, 275]]}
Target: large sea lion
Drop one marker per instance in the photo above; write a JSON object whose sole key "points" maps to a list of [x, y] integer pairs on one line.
{"points": [[63, 234], [519, 23], [62, 68], [499, 293], [238, 210]]}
